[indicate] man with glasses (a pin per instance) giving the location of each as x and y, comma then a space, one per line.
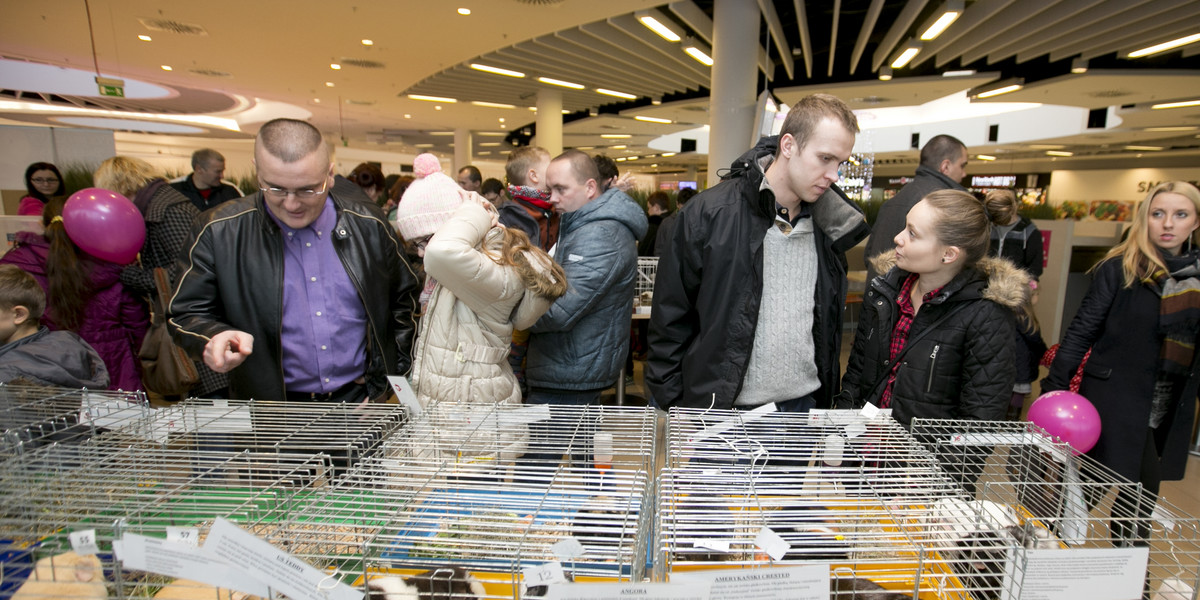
204, 186
297, 292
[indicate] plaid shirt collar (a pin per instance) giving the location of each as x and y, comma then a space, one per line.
900, 331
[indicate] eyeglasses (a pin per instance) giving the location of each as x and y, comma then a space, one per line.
304, 194
44, 180
421, 243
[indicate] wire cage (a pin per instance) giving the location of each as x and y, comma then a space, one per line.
344, 431
751, 489
32, 416
105, 492
647, 270
497, 499
1044, 496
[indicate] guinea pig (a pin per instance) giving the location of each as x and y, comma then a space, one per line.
857, 588
66, 575
442, 583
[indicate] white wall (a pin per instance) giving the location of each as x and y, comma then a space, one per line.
21, 146
1117, 184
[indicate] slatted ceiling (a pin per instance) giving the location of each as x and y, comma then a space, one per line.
1047, 22
833, 33
1172, 27
977, 15
864, 35
663, 52
778, 38
994, 29
1105, 19
805, 35
898, 33
694, 18
575, 46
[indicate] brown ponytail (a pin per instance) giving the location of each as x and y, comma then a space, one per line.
68, 277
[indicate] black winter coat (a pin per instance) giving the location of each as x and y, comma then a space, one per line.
1022, 245
231, 277
962, 368
709, 287
1120, 325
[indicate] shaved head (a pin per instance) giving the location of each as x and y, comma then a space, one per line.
289, 140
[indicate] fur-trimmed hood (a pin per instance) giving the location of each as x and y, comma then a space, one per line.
1007, 285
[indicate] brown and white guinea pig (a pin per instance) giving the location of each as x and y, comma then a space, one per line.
441, 583
857, 588
66, 575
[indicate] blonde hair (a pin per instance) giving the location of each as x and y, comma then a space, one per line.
124, 175
1139, 256
518, 253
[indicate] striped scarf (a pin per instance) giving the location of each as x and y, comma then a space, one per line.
1179, 325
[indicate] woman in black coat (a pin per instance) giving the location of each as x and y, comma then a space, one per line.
953, 359
1142, 375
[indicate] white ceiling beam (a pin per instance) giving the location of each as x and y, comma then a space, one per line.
669, 51
693, 16
974, 16
805, 35
1169, 28
1006, 23
864, 35
897, 33
1112, 20
775, 28
833, 33
1050, 22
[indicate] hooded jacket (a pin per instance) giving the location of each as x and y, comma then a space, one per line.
462, 351
709, 286
963, 368
581, 342
891, 218
53, 358
114, 320
1022, 245
231, 277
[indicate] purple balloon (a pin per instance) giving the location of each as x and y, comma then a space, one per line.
1068, 416
104, 224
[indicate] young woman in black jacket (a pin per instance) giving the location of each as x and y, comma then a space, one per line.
936, 336
1141, 320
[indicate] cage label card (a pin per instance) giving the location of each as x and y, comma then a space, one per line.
568, 549
1092, 573
83, 542
405, 393
870, 411
184, 561
809, 582
283, 572
776, 547
544, 574
621, 591
188, 536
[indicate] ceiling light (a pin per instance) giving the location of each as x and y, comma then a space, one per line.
615, 136
615, 94
910, 52
1059, 153
631, 158
1079, 65
489, 143
328, 84
491, 104
1046, 146
501, 119
653, 120
566, 112
533, 108
485, 153
698, 54
654, 166
368, 42
503, 126
959, 73
584, 147
166, 68
885, 74
1163, 47
659, 26
1176, 104
996, 88
497, 70
984, 157
464, 11
1144, 148
441, 133
620, 159
335, 66
316, 100
432, 98
656, 102
667, 154
437, 107
621, 147
561, 83
1174, 128
422, 145
144, 38
489, 133
947, 15
407, 116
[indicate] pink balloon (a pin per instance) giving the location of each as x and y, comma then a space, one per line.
1068, 416
104, 224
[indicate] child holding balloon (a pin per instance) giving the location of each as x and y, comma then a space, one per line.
1141, 320
84, 293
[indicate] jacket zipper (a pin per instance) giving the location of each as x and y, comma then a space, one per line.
932, 364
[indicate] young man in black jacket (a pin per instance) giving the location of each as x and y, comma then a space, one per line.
748, 300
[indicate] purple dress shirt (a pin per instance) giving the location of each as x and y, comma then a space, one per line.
324, 330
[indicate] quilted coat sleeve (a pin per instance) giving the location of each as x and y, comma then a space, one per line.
988, 363
593, 268
1087, 326
455, 259
851, 394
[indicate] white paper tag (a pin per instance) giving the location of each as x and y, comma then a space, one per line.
870, 411
854, 430
770, 542
283, 572
188, 536
809, 582
405, 394
1093, 573
638, 591
530, 413
83, 542
183, 561
567, 549
712, 544
1164, 518
731, 422
544, 574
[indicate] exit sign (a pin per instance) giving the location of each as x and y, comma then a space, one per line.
111, 87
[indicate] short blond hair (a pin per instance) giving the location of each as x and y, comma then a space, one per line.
124, 175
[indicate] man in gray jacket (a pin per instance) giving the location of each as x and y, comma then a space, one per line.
577, 348
943, 166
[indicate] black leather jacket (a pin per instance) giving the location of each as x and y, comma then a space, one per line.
231, 277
